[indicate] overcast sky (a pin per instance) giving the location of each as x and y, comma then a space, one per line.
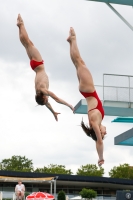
106, 45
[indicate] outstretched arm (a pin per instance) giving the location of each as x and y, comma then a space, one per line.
61, 101
99, 142
48, 105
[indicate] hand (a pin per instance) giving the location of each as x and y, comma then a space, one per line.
72, 108
55, 115
100, 162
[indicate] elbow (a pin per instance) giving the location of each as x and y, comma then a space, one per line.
100, 141
57, 100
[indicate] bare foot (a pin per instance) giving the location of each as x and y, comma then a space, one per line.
72, 35
100, 162
19, 20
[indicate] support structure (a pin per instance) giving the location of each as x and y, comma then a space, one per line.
122, 2
125, 138
55, 188
120, 16
51, 191
0, 195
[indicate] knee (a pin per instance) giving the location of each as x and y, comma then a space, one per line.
25, 41
82, 62
79, 61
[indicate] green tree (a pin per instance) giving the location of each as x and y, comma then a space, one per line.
88, 193
90, 170
122, 171
17, 163
54, 169
26, 194
61, 195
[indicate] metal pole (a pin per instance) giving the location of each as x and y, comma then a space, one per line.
51, 187
0, 195
55, 189
120, 16
117, 75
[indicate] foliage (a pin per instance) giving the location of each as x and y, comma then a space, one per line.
6, 198
61, 195
122, 171
90, 170
27, 193
88, 193
54, 169
17, 163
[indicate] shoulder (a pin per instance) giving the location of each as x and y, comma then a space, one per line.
44, 91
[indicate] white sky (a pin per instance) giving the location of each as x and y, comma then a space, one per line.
106, 45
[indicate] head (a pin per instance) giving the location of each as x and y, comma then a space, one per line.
19, 181
89, 131
41, 99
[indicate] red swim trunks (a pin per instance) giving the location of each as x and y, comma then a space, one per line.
34, 63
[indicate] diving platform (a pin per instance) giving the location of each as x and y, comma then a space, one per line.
111, 108
123, 120
122, 2
125, 138
116, 95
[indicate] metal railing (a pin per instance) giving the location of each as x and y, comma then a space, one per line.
99, 197
116, 88
121, 86
6, 195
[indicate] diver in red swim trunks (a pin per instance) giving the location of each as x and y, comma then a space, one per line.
86, 86
37, 64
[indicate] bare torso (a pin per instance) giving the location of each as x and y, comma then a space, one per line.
41, 79
91, 104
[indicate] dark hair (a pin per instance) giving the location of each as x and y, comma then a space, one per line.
39, 99
89, 131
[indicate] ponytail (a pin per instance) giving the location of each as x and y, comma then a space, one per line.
89, 131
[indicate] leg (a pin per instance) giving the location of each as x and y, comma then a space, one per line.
22, 195
32, 52
17, 195
85, 78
